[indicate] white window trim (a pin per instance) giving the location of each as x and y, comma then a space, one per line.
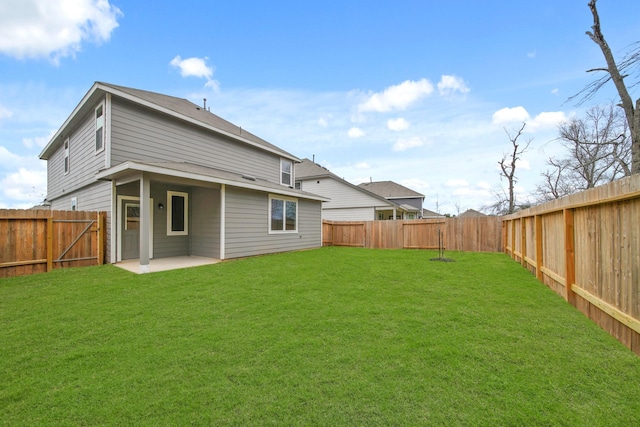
284, 199
170, 213
291, 175
103, 120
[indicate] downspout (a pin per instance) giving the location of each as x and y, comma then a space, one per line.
223, 209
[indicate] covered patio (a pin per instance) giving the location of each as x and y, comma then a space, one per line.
164, 264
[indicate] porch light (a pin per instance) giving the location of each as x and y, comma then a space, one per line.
160, 206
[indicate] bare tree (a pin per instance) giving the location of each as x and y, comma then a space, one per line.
598, 151
508, 166
617, 73
505, 200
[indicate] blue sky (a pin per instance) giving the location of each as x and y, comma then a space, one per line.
417, 92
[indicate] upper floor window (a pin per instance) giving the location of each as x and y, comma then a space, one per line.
66, 156
99, 128
286, 172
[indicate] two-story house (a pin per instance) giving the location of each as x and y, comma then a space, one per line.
176, 180
409, 200
347, 202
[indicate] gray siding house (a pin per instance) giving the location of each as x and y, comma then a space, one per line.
176, 180
410, 201
348, 202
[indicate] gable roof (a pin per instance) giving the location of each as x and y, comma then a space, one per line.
390, 190
179, 108
307, 170
471, 213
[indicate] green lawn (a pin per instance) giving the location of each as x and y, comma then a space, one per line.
334, 336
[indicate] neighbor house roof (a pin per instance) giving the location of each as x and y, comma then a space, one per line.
426, 213
390, 190
471, 213
307, 169
179, 108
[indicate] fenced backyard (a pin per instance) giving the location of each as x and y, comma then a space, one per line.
586, 247
482, 234
37, 241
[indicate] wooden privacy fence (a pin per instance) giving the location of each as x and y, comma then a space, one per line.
586, 247
483, 234
36, 241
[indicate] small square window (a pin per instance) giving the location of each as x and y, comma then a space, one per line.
66, 156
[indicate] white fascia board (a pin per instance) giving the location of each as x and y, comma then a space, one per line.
139, 167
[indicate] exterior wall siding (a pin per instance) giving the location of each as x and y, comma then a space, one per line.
342, 196
415, 202
144, 135
353, 214
205, 228
84, 162
163, 245
247, 225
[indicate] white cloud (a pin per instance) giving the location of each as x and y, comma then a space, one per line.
555, 91
547, 120
355, 132
398, 124
363, 165
39, 141
54, 28
531, 55
415, 184
196, 67
448, 85
454, 183
510, 115
403, 144
24, 188
5, 113
398, 97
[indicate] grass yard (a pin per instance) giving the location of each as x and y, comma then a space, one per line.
334, 336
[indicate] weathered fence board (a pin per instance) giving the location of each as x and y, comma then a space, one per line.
36, 241
587, 249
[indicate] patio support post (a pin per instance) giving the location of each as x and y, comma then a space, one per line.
145, 221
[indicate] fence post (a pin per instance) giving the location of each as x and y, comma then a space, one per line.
570, 255
100, 238
523, 241
49, 243
538, 247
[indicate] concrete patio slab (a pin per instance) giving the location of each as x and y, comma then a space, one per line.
163, 264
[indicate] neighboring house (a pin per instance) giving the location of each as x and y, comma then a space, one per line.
348, 202
471, 213
176, 180
427, 214
408, 200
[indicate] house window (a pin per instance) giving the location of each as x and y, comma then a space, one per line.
99, 128
66, 156
380, 215
286, 172
74, 203
177, 213
283, 214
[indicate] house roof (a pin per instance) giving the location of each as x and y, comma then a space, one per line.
390, 190
426, 213
205, 174
308, 169
471, 213
179, 108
